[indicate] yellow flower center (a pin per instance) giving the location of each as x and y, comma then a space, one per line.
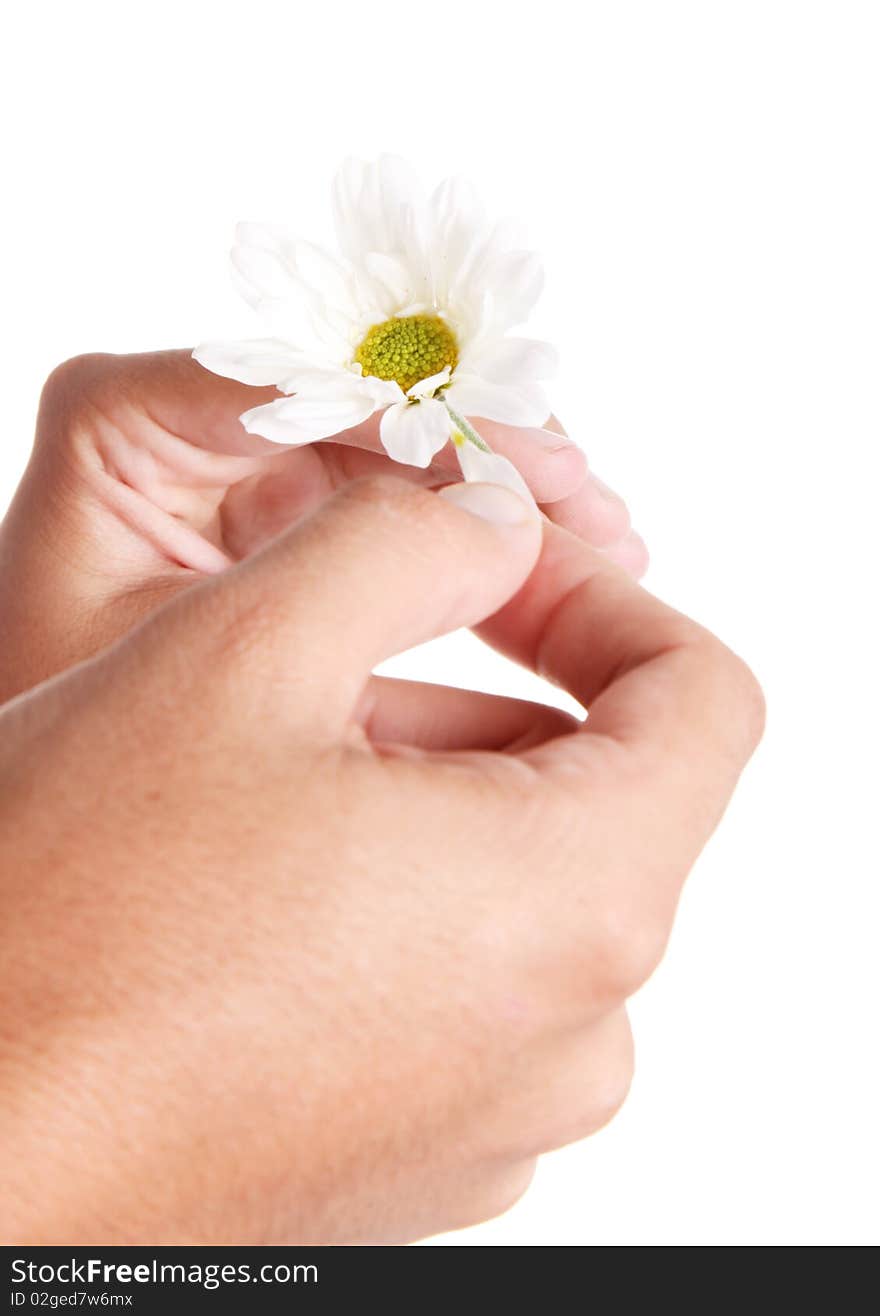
408, 350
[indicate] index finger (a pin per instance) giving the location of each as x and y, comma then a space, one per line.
656, 685
204, 408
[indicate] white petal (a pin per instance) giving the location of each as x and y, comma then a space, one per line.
244, 287
374, 205
306, 418
525, 404
272, 237
480, 467
393, 277
514, 282
292, 319
455, 204
257, 361
384, 392
264, 273
401, 196
290, 283
346, 191
335, 333
511, 360
455, 219
412, 432
324, 276
318, 379
426, 388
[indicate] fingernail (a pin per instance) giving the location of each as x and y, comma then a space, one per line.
490, 502
552, 441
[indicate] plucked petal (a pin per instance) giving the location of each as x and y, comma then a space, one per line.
480, 467
412, 432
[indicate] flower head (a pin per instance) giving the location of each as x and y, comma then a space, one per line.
412, 317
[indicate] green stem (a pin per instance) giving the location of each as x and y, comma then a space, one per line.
466, 430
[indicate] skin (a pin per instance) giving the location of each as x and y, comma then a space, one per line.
142, 481
290, 953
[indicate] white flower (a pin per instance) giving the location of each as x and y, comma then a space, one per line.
413, 317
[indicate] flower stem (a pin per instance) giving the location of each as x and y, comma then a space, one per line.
467, 431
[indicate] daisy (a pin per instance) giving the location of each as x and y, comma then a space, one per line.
411, 318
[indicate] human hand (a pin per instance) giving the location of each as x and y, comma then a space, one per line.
143, 481
294, 954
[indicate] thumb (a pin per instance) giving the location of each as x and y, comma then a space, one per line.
381, 566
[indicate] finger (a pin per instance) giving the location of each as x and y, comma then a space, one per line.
379, 567
568, 1092
650, 678
631, 554
202, 408
593, 512
181, 404
551, 465
177, 394
182, 398
131, 460
633, 797
285, 488
440, 717
295, 482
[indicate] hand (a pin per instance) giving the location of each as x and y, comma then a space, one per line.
294, 954
143, 481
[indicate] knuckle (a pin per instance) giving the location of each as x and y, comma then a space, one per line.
67, 398
737, 692
68, 380
598, 947
616, 1066
625, 948
580, 1090
750, 701
597, 1095
498, 1190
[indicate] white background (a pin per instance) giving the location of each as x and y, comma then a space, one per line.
702, 179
